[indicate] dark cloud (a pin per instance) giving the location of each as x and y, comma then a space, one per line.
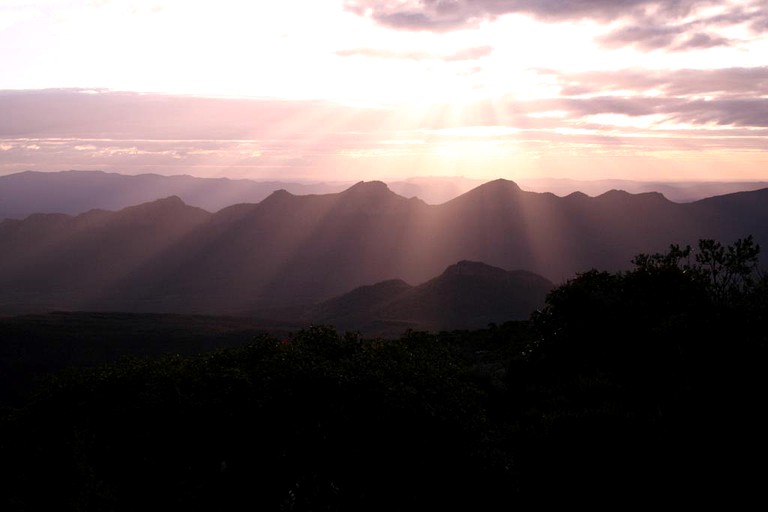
745, 112
603, 10
441, 15
654, 32
647, 24
724, 82
645, 36
411, 20
725, 112
759, 24
702, 40
629, 106
754, 13
740, 112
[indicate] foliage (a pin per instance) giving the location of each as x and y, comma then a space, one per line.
626, 387
673, 350
727, 271
317, 421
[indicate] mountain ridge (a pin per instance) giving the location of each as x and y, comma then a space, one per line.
288, 250
74, 192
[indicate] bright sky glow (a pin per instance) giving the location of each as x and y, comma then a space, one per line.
340, 89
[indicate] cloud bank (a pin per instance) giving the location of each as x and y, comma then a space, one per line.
648, 24
693, 112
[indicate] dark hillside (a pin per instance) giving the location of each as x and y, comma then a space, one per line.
467, 295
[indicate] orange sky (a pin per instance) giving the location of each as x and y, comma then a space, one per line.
340, 90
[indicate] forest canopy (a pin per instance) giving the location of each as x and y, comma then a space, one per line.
638, 385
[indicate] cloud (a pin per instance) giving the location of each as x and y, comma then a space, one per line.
691, 109
441, 15
728, 97
628, 106
724, 82
737, 112
648, 24
653, 32
748, 112
473, 53
702, 40
645, 36
120, 115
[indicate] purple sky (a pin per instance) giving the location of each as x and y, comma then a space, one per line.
340, 90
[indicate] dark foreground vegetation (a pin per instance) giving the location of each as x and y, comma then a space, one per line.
647, 386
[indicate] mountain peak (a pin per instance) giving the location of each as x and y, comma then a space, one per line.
472, 269
171, 200
615, 195
371, 197
501, 184
369, 188
165, 207
492, 190
281, 192
278, 195
165, 202
577, 195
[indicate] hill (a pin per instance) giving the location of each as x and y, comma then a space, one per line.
466, 295
75, 192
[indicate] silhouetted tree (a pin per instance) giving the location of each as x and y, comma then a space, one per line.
675, 347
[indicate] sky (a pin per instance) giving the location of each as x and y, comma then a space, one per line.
324, 90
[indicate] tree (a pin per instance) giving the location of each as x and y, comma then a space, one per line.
670, 354
732, 270
727, 271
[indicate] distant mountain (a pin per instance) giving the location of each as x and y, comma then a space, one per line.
75, 192
466, 295
439, 189
677, 191
297, 250
58, 261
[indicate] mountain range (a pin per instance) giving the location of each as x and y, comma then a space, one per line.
75, 192
301, 250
